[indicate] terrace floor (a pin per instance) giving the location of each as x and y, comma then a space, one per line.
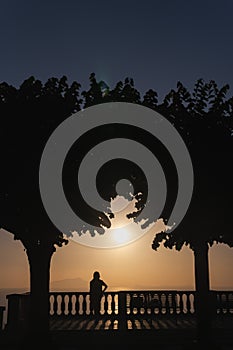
72, 323
70, 333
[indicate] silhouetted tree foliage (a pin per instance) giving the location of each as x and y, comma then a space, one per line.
94, 95
204, 119
123, 92
150, 99
29, 115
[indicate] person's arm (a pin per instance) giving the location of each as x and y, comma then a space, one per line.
105, 286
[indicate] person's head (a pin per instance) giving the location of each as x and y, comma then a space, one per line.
96, 275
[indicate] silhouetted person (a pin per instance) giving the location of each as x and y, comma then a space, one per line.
97, 288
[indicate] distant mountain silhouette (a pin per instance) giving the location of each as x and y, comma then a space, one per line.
80, 285
70, 284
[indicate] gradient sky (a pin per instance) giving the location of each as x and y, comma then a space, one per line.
134, 266
157, 43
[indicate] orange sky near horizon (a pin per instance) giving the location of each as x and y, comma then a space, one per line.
133, 266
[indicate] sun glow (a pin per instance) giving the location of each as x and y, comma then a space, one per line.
121, 235
123, 230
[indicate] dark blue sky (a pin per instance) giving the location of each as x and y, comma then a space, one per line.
157, 43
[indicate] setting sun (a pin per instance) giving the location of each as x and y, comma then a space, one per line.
121, 235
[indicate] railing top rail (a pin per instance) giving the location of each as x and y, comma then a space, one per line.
114, 292
128, 291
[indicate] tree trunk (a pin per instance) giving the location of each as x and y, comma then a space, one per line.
202, 301
39, 257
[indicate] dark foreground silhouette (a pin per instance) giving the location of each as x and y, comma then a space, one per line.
70, 341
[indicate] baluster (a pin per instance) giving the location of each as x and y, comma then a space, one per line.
139, 303
63, 305
173, 302
227, 303
178, 297
85, 304
51, 303
143, 307
167, 304
105, 296
163, 302
160, 306
230, 303
133, 297
73, 301
79, 304
222, 302
113, 305
146, 301
181, 304
192, 301
188, 303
